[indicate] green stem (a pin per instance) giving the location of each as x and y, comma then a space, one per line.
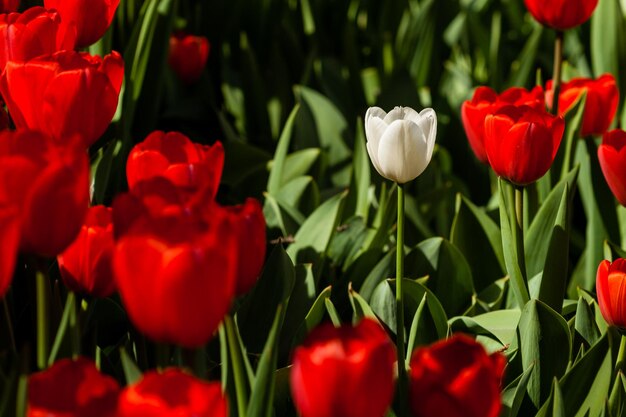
42, 319
238, 372
621, 355
402, 377
7, 315
519, 228
556, 77
74, 327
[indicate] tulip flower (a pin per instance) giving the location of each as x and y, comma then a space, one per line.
456, 378
561, 14
612, 158
188, 56
175, 269
9, 6
249, 224
86, 265
486, 101
48, 185
610, 286
35, 32
400, 143
521, 142
172, 393
344, 372
9, 241
91, 18
66, 94
72, 388
195, 168
600, 105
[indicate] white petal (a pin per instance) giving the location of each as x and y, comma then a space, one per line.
402, 152
375, 112
396, 114
373, 153
428, 123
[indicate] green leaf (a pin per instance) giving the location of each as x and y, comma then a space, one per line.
298, 163
607, 40
361, 174
545, 342
360, 307
617, 399
500, 324
131, 372
526, 58
313, 238
313, 317
278, 163
478, 238
585, 322
256, 315
513, 395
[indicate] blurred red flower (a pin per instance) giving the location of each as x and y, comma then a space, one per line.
91, 18
612, 158
64, 94
600, 105
194, 168
486, 101
35, 32
86, 265
611, 289
175, 270
9, 6
521, 142
344, 372
48, 185
72, 388
188, 56
455, 378
561, 14
172, 393
249, 225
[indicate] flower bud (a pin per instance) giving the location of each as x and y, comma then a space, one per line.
611, 289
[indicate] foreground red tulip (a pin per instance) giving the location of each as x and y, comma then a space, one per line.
249, 225
612, 157
175, 270
48, 185
91, 18
172, 393
72, 388
486, 101
86, 265
195, 168
561, 14
344, 372
600, 105
521, 142
66, 94
9, 241
9, 6
456, 378
611, 289
188, 56
35, 32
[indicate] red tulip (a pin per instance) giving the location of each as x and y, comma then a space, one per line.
521, 142
561, 14
344, 372
72, 388
175, 270
172, 393
455, 378
188, 56
9, 6
86, 265
249, 225
48, 185
612, 157
611, 288
91, 18
486, 101
35, 32
9, 242
600, 106
195, 168
65, 94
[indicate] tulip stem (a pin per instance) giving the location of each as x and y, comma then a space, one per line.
74, 328
42, 318
402, 377
621, 355
7, 315
519, 228
235, 359
556, 77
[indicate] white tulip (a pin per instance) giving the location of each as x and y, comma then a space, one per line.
400, 143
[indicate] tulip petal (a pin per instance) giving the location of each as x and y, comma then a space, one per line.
402, 152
